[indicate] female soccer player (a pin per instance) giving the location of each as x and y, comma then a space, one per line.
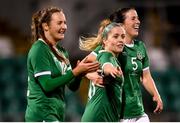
104, 103
135, 67
49, 69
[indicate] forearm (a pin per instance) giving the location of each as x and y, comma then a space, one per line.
49, 84
150, 86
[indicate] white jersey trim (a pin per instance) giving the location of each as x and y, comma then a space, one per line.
130, 45
43, 73
42, 40
94, 53
146, 68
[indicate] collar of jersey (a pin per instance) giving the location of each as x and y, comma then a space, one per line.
130, 45
40, 39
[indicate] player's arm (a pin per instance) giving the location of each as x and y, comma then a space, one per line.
107, 66
49, 84
94, 76
150, 86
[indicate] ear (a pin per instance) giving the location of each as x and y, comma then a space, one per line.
104, 41
45, 26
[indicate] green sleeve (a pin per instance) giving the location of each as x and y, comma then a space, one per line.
40, 59
105, 57
49, 84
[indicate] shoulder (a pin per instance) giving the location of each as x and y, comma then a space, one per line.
38, 47
97, 49
140, 43
104, 54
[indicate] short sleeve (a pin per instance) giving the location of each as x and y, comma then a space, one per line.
145, 60
105, 58
40, 61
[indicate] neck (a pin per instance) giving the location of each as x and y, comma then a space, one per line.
128, 40
50, 40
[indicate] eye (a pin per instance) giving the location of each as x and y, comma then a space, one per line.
133, 18
115, 36
123, 36
61, 22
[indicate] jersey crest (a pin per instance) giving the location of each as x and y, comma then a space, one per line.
139, 55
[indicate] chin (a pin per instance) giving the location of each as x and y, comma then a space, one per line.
118, 51
61, 38
136, 34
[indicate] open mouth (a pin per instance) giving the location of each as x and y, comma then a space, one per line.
62, 32
120, 45
136, 27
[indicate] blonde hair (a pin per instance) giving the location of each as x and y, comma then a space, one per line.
90, 43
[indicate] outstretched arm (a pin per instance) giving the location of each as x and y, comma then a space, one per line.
150, 86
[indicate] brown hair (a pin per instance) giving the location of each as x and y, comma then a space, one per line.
119, 15
44, 16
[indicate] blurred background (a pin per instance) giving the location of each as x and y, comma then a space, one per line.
160, 30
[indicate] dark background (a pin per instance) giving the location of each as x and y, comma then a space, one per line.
160, 29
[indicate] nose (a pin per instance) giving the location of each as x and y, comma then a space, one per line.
121, 41
138, 21
64, 26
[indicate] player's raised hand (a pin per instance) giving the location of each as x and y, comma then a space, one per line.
85, 66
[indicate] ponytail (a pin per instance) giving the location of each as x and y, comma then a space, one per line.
90, 43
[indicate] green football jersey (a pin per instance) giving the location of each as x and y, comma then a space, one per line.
134, 60
104, 103
43, 106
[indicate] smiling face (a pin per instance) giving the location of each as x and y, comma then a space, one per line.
115, 40
131, 23
55, 30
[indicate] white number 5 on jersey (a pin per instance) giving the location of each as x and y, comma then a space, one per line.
133, 61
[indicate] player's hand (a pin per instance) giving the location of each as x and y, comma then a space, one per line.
113, 71
84, 67
96, 78
159, 104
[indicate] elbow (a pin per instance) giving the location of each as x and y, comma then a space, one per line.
47, 89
